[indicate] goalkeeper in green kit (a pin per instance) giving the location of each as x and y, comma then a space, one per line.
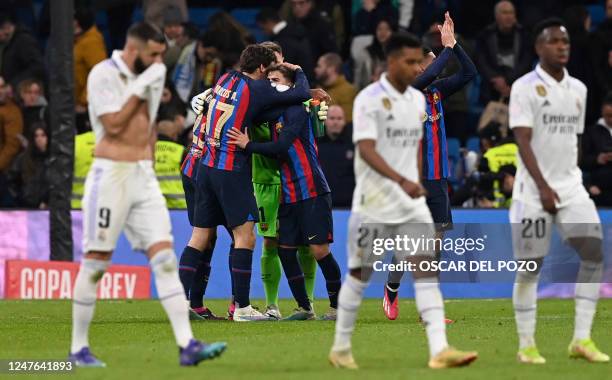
266, 183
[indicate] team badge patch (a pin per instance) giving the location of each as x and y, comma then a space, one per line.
263, 226
436, 98
541, 90
278, 126
386, 103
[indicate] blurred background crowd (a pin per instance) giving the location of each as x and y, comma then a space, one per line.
340, 46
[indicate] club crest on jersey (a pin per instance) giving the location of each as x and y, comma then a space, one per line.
386, 103
541, 90
278, 126
436, 98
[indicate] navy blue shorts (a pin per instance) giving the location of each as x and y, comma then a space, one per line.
189, 188
306, 222
438, 203
225, 198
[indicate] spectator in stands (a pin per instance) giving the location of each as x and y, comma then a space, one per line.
231, 38
371, 11
33, 104
328, 73
498, 163
198, 67
169, 156
28, 172
370, 64
580, 65
177, 37
602, 52
597, 156
292, 38
84, 146
11, 127
20, 56
330, 10
155, 10
89, 49
170, 98
503, 53
336, 152
320, 31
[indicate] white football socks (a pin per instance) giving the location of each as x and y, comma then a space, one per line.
587, 295
349, 300
524, 300
171, 295
84, 300
430, 306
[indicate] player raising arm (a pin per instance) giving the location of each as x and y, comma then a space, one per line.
547, 112
122, 192
388, 199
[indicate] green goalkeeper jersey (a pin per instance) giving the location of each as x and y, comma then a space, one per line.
265, 169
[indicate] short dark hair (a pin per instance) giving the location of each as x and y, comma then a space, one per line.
254, 56
85, 17
545, 24
287, 72
272, 46
7, 17
267, 14
146, 31
208, 39
607, 100
401, 40
334, 60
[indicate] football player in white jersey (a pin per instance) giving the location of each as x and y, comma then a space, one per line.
547, 112
389, 201
122, 192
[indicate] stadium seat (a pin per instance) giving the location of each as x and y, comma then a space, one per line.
598, 14
246, 16
473, 144
137, 15
200, 16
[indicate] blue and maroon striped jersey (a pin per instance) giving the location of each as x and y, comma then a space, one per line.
237, 100
294, 144
189, 166
433, 145
434, 154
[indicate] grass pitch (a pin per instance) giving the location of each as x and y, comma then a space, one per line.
135, 340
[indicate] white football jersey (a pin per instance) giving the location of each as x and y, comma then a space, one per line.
395, 121
555, 111
107, 91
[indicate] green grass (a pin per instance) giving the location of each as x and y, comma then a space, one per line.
136, 342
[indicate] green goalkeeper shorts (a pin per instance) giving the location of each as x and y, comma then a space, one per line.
268, 198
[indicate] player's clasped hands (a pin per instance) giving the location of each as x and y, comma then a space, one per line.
413, 189
238, 137
447, 32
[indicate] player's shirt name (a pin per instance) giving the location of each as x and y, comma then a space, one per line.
225, 93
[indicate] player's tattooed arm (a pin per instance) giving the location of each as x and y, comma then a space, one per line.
367, 151
547, 195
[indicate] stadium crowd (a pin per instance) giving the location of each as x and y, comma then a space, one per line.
340, 46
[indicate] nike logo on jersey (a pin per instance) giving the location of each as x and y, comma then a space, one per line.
546, 103
312, 237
